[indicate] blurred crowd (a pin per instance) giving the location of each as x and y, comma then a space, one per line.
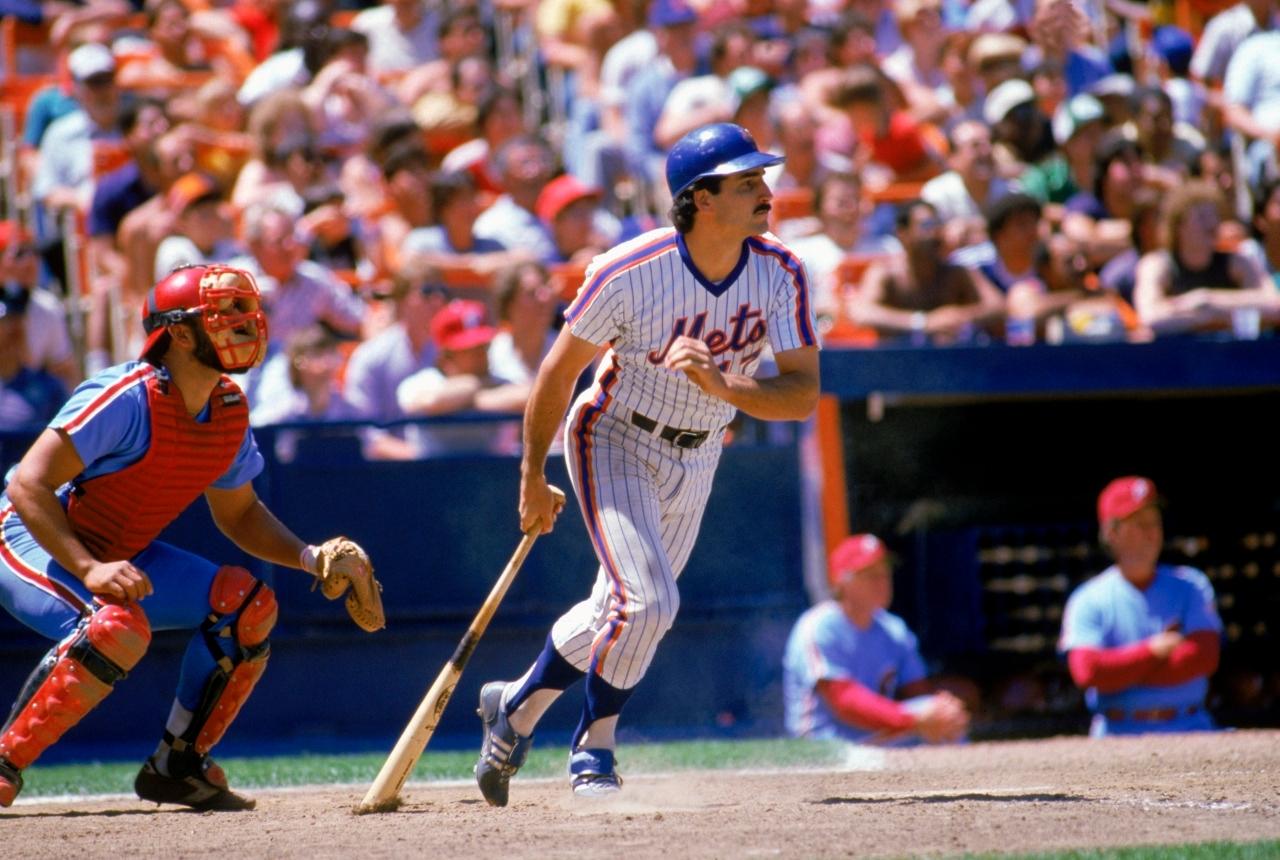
420, 185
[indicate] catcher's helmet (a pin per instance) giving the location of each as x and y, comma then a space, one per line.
227, 302
713, 150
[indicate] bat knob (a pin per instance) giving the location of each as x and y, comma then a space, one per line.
558, 494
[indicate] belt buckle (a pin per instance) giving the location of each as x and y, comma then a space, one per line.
688, 438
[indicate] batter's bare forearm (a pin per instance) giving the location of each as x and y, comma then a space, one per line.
786, 397
549, 399
546, 408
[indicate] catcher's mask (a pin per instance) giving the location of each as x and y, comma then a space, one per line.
224, 299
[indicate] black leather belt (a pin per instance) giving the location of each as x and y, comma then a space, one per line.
674, 435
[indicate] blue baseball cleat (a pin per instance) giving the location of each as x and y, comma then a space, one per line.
595, 773
502, 751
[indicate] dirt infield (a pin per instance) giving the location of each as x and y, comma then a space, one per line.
1018, 796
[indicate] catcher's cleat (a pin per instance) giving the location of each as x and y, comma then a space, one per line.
10, 783
595, 773
197, 782
502, 751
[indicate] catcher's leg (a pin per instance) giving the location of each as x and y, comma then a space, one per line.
221, 667
68, 683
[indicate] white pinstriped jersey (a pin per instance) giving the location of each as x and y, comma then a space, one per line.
641, 295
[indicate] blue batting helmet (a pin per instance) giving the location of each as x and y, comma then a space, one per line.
713, 150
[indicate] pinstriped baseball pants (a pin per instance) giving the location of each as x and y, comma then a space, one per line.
642, 499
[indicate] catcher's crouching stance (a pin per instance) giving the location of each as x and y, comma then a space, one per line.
79, 563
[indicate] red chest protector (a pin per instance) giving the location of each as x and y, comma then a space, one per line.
116, 516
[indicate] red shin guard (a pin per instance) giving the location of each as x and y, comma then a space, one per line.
102, 651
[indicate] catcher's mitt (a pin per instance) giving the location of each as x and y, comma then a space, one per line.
341, 563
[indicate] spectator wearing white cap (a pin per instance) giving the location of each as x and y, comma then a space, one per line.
1077, 128
65, 176
1017, 124
994, 58
1116, 93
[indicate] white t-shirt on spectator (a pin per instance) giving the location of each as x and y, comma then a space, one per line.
947, 193
1222, 35
1253, 79
392, 49
822, 257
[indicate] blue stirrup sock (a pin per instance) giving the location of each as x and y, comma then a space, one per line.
602, 700
550, 672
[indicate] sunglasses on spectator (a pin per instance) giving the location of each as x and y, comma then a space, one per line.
17, 252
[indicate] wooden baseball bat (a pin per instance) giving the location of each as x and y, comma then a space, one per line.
384, 794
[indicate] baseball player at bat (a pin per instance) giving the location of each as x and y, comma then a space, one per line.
79, 562
853, 669
1141, 638
686, 315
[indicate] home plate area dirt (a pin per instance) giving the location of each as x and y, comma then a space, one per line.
984, 797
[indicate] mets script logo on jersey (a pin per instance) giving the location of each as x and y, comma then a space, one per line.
746, 330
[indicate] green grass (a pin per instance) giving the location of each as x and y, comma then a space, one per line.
1264, 850
314, 769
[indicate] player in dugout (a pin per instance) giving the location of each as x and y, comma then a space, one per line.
853, 670
79, 560
1141, 638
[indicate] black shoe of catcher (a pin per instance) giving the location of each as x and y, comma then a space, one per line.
502, 751
197, 782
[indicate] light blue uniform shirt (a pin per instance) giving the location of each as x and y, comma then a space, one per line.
1107, 611
825, 645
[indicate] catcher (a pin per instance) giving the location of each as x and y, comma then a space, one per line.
79, 562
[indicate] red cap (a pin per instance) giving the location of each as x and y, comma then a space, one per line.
855, 553
1124, 497
462, 324
12, 232
559, 193
191, 188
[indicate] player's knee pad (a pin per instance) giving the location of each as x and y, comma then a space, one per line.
235, 590
73, 678
245, 609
